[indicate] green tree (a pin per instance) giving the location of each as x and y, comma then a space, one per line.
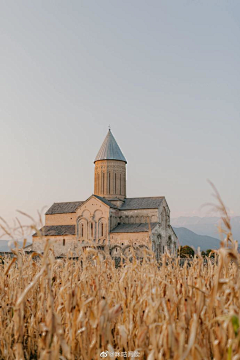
186, 251
208, 252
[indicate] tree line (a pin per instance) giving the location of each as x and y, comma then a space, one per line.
188, 252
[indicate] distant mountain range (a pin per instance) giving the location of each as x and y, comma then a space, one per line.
188, 237
206, 225
4, 245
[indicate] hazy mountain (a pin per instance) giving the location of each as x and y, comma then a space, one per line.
188, 237
4, 245
206, 225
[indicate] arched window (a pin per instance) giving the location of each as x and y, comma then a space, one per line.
109, 182
81, 231
63, 242
115, 183
91, 230
103, 190
153, 218
159, 246
98, 184
169, 242
102, 228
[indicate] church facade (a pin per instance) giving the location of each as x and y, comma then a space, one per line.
108, 219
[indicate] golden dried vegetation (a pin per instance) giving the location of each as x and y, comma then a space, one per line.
76, 308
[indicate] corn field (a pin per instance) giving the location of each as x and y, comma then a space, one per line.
86, 308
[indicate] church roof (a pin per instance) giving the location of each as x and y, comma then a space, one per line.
133, 228
142, 203
64, 207
57, 230
105, 201
129, 204
110, 149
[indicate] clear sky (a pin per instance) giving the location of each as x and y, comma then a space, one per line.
164, 74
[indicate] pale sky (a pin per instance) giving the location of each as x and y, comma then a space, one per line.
164, 74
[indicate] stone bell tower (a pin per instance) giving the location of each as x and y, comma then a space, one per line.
110, 170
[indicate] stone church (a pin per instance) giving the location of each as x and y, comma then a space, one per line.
108, 219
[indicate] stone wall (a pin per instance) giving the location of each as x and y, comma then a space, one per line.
60, 244
116, 251
140, 238
60, 219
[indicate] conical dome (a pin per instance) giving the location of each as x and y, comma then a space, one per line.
110, 150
